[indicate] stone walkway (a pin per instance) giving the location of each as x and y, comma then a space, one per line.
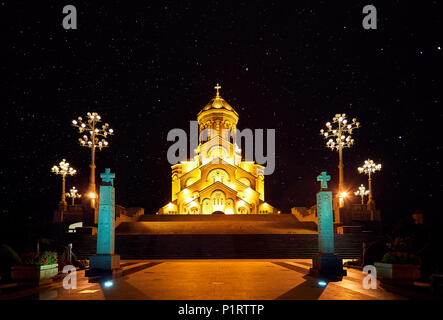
266, 279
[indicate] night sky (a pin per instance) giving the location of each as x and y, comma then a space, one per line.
151, 67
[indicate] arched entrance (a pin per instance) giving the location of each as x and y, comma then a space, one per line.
218, 200
242, 207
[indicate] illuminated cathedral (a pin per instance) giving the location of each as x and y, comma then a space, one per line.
217, 179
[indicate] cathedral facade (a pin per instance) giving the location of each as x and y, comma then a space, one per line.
217, 179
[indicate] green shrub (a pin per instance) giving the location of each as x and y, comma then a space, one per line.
45, 258
397, 257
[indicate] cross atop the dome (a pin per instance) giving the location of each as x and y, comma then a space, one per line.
324, 178
217, 87
107, 176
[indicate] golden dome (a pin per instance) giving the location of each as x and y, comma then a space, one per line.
218, 103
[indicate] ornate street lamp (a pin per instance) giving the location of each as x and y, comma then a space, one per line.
73, 193
369, 167
362, 192
339, 137
95, 137
63, 169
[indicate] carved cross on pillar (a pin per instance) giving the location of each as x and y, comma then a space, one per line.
108, 177
324, 178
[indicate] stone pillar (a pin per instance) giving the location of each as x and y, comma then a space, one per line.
326, 264
325, 222
105, 262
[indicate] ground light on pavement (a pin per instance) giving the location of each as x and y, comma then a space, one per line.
267, 279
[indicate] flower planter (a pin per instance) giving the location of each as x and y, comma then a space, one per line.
396, 271
34, 273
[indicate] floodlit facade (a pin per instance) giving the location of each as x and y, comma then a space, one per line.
217, 179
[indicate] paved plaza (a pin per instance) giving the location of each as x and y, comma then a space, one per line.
268, 279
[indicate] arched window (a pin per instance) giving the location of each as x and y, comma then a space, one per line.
217, 151
218, 175
245, 181
218, 200
190, 181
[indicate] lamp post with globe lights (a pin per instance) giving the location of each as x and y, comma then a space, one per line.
94, 137
339, 135
63, 169
369, 167
362, 192
73, 193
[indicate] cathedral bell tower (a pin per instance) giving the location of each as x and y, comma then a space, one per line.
218, 123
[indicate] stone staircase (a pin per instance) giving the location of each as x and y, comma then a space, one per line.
220, 246
216, 224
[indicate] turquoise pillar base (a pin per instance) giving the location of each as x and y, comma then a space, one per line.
327, 266
104, 266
